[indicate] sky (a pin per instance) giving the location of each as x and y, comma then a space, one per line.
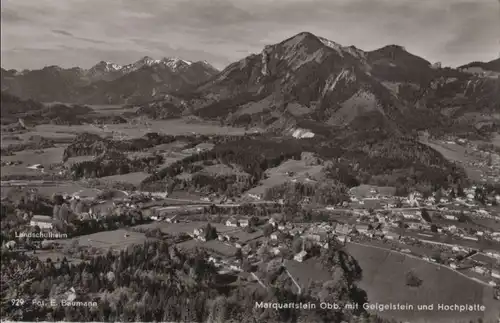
68, 33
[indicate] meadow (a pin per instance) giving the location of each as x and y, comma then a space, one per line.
459, 154
384, 280
130, 178
496, 140
128, 130
44, 156
117, 239
298, 169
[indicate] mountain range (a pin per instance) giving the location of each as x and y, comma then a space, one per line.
306, 83
107, 83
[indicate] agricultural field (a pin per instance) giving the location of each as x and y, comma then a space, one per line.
218, 247
363, 191
496, 140
8, 140
19, 170
384, 280
48, 189
307, 272
128, 130
44, 156
214, 246
493, 224
117, 239
25, 137
111, 109
290, 170
130, 178
459, 154
471, 158
77, 159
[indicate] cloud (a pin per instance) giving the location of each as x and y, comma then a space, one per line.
222, 31
62, 32
66, 33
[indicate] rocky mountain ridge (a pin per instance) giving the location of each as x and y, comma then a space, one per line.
106, 82
309, 79
305, 83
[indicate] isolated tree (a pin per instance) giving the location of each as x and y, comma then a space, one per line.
437, 257
462, 217
297, 245
58, 199
425, 215
239, 254
210, 232
438, 196
412, 279
267, 230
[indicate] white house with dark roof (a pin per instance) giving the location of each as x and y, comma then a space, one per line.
42, 221
301, 256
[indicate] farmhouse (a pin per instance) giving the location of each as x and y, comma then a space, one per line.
200, 234
42, 221
409, 216
301, 256
233, 222
361, 228
243, 223
392, 236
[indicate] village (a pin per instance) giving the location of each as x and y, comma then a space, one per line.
458, 232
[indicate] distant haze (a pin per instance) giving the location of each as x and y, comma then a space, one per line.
71, 33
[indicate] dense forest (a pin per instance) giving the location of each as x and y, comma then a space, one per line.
88, 144
325, 193
362, 159
114, 163
157, 282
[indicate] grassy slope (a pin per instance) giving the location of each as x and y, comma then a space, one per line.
384, 281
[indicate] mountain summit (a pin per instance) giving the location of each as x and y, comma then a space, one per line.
307, 78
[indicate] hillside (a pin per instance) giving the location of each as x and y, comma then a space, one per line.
493, 65
385, 288
26, 113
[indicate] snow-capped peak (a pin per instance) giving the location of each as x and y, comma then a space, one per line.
332, 45
146, 60
175, 63
172, 63
107, 66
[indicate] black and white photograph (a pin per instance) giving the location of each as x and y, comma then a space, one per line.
263, 161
